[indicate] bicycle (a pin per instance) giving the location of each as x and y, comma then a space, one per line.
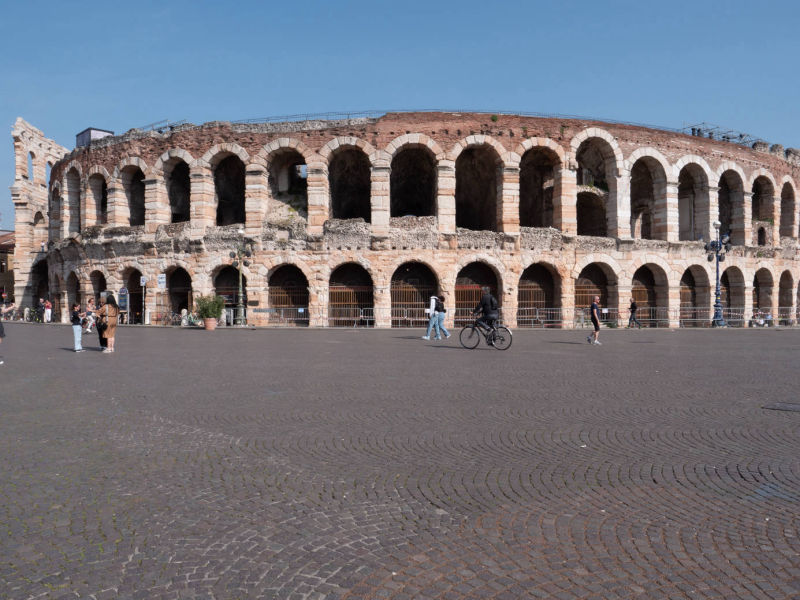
498, 336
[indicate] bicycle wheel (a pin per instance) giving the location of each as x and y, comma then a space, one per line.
502, 338
469, 337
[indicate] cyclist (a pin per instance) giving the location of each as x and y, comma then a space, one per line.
487, 308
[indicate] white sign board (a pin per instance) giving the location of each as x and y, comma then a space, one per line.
162, 281
142, 280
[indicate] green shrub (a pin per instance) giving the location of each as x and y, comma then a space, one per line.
209, 307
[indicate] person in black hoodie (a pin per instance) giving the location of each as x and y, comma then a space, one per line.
487, 308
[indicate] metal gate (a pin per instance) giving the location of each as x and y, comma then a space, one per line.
350, 306
288, 305
409, 301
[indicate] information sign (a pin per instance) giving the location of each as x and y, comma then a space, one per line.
162, 281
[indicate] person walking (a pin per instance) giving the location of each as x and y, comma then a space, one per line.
433, 322
110, 315
440, 313
594, 312
77, 328
100, 326
632, 319
40, 311
4, 310
48, 311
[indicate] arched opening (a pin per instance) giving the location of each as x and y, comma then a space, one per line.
731, 206
350, 297
48, 167
479, 181
693, 202
179, 286
98, 190
98, 285
650, 294
591, 213
763, 193
229, 185
412, 183
695, 298
469, 282
762, 298
133, 184
787, 211
39, 232
74, 201
40, 283
30, 173
539, 298
288, 296
785, 298
176, 173
732, 296
73, 290
135, 306
537, 171
226, 284
648, 200
349, 181
412, 286
596, 279
288, 180
762, 236
55, 216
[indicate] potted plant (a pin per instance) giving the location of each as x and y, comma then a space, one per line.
209, 308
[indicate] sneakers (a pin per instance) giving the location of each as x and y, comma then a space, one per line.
1, 361
80, 350
437, 338
426, 337
597, 343
446, 335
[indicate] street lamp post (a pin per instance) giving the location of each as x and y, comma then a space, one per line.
240, 255
716, 250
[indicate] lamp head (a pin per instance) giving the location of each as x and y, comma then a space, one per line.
717, 224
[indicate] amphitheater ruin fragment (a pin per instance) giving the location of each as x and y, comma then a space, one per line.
356, 221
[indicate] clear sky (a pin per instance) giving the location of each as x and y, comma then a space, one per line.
66, 66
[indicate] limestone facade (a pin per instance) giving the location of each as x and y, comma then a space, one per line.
545, 211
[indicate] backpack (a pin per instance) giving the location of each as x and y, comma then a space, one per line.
493, 302
440, 306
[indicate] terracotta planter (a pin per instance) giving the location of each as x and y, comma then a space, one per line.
210, 324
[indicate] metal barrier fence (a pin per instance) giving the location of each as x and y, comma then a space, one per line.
539, 318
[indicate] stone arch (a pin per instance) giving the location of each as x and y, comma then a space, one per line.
225, 282
763, 284
476, 140
288, 295
597, 278
694, 200
286, 162
170, 155
611, 144
650, 290
695, 297
689, 159
131, 172
130, 161
537, 176
229, 187
413, 181
788, 224
540, 142
179, 288
349, 180
479, 186
648, 194
731, 202
39, 228
414, 140
285, 143
470, 279
653, 156
732, 293
786, 298
763, 187
73, 289
220, 152
97, 180
411, 286
130, 278
539, 296
350, 296
344, 142
72, 185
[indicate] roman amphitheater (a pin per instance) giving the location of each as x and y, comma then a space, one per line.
354, 222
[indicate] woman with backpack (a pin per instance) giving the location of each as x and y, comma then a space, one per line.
440, 313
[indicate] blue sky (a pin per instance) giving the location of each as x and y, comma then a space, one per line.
65, 66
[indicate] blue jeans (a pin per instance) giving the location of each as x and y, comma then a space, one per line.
433, 322
76, 334
440, 324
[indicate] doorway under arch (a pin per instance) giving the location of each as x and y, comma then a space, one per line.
413, 284
226, 284
179, 285
350, 297
538, 298
469, 282
288, 296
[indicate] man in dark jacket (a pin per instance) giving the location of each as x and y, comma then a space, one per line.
487, 308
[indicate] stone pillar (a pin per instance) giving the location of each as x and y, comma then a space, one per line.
382, 301
318, 199
748, 299
565, 200
203, 198
618, 209
670, 213
256, 199
88, 207
775, 238
63, 307
706, 228
568, 301
510, 301
742, 218
156, 205
318, 304
118, 211
151, 292
380, 199
508, 201
446, 196
674, 303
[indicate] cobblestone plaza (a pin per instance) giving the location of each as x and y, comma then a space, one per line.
328, 464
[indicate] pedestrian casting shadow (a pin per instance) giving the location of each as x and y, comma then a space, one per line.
571, 343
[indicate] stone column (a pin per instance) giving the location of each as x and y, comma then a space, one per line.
203, 199
775, 238
742, 218
256, 199
748, 299
156, 205
565, 200
318, 304
118, 212
446, 196
151, 292
382, 301
618, 209
88, 206
670, 213
508, 201
706, 228
624, 295
318, 198
568, 301
380, 198
674, 300
510, 301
